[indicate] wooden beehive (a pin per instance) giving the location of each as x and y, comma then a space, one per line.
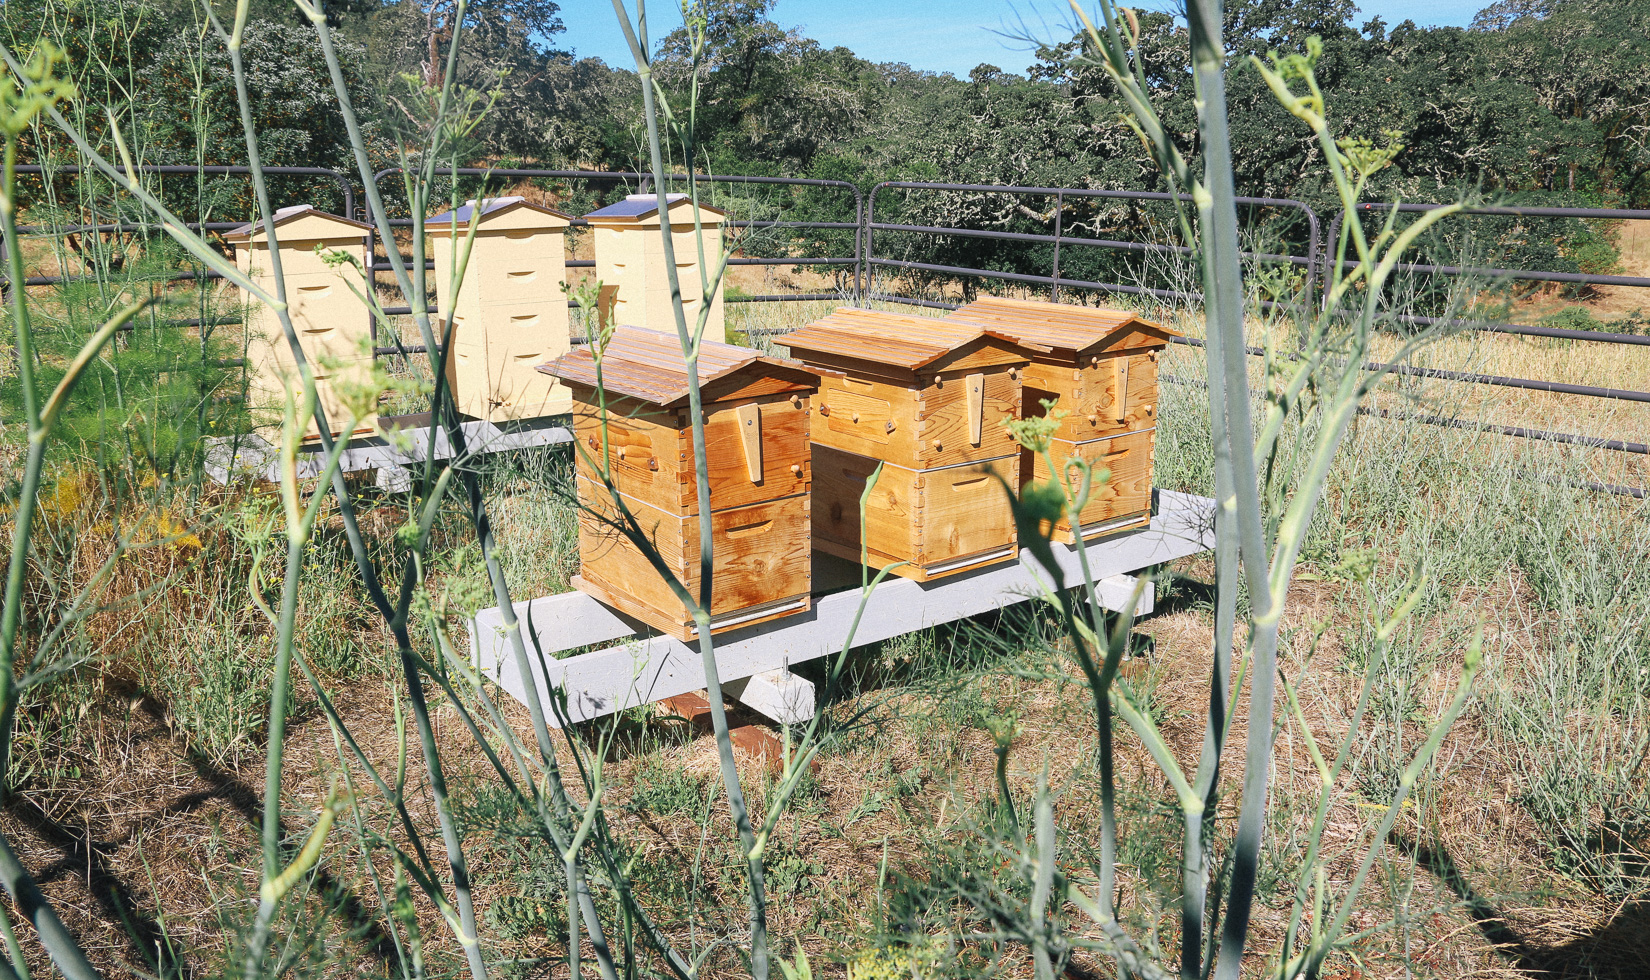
1099, 366
630, 255
926, 398
756, 437
324, 302
510, 314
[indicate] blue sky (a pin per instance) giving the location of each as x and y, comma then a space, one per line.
936, 35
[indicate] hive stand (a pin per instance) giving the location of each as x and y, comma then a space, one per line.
630, 256
756, 411
926, 399
510, 313
409, 441
642, 667
1100, 367
325, 306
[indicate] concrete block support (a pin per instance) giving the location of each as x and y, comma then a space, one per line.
776, 694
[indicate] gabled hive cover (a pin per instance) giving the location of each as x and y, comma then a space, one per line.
894, 340
1069, 332
643, 209
648, 366
301, 222
506, 213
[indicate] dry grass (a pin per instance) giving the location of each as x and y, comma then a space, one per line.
149, 843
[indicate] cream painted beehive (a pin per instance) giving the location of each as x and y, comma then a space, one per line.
510, 314
325, 305
630, 254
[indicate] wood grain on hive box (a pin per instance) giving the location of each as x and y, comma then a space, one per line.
651, 455
757, 456
1099, 367
1121, 487
759, 558
929, 399
941, 521
1082, 358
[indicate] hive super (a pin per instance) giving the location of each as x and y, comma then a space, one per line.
907, 415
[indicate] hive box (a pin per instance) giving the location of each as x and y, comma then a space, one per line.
510, 313
326, 309
926, 398
630, 255
756, 437
1100, 366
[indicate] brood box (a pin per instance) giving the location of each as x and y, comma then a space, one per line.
1099, 366
926, 398
510, 314
756, 439
630, 256
324, 302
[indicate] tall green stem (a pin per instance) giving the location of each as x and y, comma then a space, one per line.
636, 37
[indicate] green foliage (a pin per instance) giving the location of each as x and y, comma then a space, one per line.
175, 102
155, 392
1573, 318
665, 789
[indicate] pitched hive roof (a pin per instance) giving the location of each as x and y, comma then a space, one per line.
496, 207
909, 342
309, 216
1066, 330
648, 365
637, 207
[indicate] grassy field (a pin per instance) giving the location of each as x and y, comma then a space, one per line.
1525, 849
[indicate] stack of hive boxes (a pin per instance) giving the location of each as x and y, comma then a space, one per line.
925, 399
1100, 367
324, 303
510, 314
630, 260
756, 439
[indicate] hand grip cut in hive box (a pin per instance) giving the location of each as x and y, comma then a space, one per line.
757, 415
925, 398
324, 306
509, 314
1100, 367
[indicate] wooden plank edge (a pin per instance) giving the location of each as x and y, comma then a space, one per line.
638, 672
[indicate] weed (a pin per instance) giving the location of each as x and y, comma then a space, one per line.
665, 789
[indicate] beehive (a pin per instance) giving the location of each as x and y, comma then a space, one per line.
1100, 366
510, 314
927, 398
325, 305
630, 255
756, 438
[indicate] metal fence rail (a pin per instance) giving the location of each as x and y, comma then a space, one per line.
1059, 238
864, 263
37, 170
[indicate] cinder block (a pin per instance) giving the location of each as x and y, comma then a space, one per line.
776, 694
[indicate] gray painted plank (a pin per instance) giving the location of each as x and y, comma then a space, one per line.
644, 670
251, 455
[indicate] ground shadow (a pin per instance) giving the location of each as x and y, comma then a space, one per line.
1615, 950
89, 859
